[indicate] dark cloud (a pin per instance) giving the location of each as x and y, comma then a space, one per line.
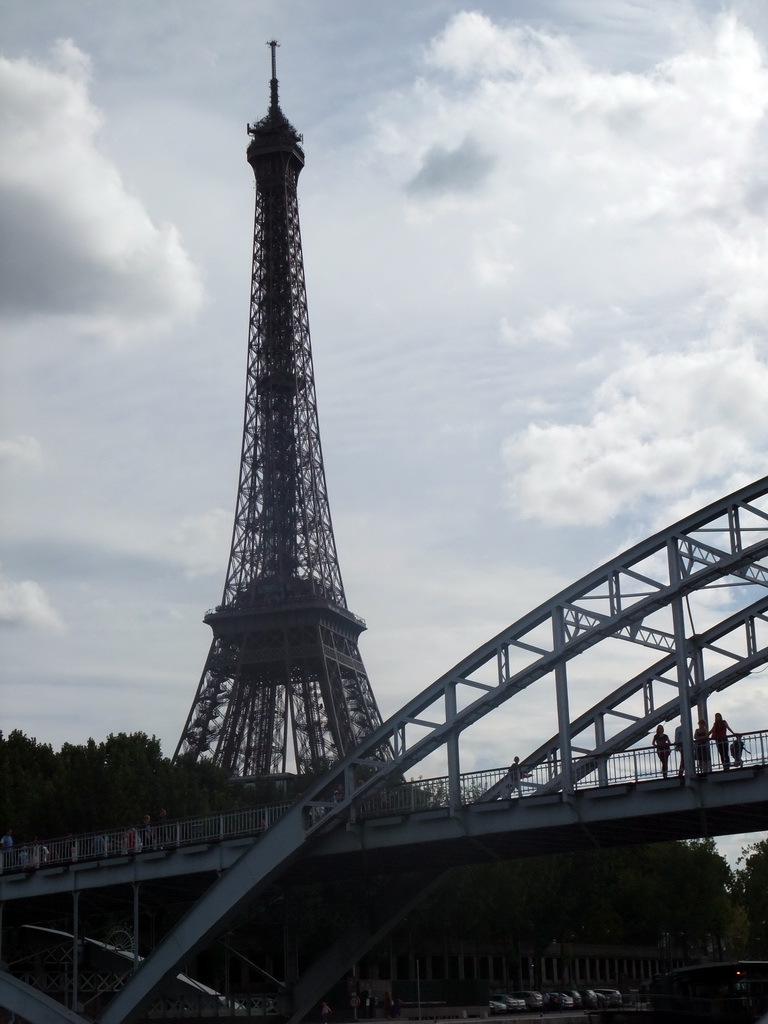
44, 267
76, 242
47, 266
92, 562
463, 170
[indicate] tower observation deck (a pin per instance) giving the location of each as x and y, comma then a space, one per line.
284, 687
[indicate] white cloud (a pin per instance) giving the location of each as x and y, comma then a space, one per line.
595, 184
551, 327
77, 243
472, 46
621, 220
26, 604
661, 425
22, 450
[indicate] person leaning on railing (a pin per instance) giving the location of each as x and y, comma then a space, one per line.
719, 733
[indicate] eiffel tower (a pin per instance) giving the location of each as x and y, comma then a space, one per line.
284, 687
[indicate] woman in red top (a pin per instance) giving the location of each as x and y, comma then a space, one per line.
719, 733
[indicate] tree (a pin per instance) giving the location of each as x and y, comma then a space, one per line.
102, 785
620, 896
27, 770
751, 888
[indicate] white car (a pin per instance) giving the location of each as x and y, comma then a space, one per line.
512, 1004
532, 1000
612, 996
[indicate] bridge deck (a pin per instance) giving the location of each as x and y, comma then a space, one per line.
612, 780
436, 838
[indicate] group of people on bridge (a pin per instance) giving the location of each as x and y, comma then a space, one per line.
148, 835
730, 748
702, 735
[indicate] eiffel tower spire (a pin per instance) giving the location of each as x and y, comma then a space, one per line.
284, 687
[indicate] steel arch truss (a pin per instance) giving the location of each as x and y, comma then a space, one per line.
737, 646
641, 597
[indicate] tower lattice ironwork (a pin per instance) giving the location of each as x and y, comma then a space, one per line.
284, 686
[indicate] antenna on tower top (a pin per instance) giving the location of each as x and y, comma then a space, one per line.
273, 44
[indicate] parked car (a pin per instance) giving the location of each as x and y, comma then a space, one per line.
513, 1004
578, 1002
532, 1000
612, 996
589, 999
557, 1001
496, 1006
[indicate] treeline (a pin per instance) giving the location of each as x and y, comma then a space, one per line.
81, 788
679, 896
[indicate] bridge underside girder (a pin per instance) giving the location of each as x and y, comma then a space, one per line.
724, 803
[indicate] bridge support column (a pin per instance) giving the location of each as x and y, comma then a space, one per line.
136, 887
698, 677
75, 950
688, 661
452, 748
602, 767
563, 710
684, 685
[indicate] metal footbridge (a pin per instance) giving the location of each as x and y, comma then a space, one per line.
682, 616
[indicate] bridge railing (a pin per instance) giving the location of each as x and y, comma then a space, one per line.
640, 764
643, 763
158, 835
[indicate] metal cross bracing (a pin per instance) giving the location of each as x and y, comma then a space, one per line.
284, 686
736, 646
44, 960
642, 597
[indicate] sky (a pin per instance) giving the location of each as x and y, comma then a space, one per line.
536, 251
